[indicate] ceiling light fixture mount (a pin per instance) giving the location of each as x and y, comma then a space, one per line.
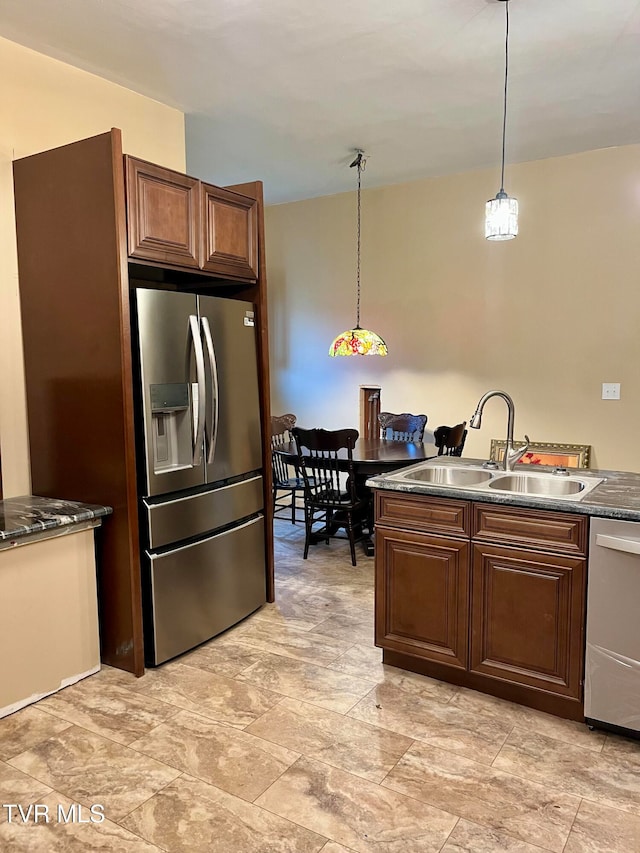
358, 341
501, 212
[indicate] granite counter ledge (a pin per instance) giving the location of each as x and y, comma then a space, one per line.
28, 518
617, 497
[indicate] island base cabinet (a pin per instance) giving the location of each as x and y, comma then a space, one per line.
484, 596
422, 594
527, 618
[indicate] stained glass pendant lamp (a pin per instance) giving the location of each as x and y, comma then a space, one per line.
358, 341
501, 212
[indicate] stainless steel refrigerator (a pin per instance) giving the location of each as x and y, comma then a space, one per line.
200, 460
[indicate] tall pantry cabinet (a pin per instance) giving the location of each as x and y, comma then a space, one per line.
91, 224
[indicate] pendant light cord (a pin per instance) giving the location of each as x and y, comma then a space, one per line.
360, 162
358, 262
506, 77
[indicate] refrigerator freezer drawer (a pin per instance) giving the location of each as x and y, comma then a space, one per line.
186, 517
200, 590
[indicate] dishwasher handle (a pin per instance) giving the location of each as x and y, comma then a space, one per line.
618, 543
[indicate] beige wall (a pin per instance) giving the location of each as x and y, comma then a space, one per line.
45, 103
546, 317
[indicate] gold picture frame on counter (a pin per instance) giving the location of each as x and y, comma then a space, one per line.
544, 453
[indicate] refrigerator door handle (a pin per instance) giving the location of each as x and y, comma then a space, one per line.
202, 391
214, 385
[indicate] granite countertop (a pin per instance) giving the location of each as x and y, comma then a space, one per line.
618, 496
23, 516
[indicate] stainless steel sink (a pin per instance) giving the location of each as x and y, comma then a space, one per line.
528, 484
474, 478
448, 476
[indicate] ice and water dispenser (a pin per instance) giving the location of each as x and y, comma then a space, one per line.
172, 426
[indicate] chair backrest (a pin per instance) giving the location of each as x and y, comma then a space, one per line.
321, 463
403, 427
450, 439
281, 426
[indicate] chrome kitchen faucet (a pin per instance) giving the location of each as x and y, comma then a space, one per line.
511, 455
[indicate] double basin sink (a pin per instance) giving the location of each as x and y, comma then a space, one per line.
551, 484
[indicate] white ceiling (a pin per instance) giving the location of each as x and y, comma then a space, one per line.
284, 90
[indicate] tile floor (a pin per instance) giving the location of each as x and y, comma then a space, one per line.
287, 735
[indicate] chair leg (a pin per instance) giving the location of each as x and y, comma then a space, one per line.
352, 544
308, 521
293, 506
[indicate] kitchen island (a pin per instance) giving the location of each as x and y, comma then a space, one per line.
48, 602
485, 587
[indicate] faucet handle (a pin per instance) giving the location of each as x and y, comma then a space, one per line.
517, 455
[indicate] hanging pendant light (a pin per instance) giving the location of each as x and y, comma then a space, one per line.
501, 212
358, 341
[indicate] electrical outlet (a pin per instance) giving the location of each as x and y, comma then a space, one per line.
610, 390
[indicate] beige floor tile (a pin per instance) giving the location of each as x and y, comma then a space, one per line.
292, 611
335, 691
58, 836
598, 829
26, 728
356, 813
361, 659
569, 731
425, 718
342, 742
107, 709
470, 838
226, 700
484, 795
348, 628
365, 661
292, 642
190, 816
18, 788
222, 656
332, 847
622, 747
608, 781
90, 769
235, 761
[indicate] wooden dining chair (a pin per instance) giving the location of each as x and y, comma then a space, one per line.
285, 479
328, 499
403, 427
450, 439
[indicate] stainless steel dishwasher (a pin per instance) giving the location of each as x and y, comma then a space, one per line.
612, 668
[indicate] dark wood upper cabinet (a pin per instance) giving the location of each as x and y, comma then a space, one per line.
181, 221
163, 214
230, 233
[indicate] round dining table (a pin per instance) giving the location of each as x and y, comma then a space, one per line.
373, 456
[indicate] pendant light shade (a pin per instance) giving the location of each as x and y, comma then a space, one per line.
501, 217
358, 341
501, 212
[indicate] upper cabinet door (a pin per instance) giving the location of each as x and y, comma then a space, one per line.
163, 214
230, 233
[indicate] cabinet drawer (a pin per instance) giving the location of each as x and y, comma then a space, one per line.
549, 531
419, 512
